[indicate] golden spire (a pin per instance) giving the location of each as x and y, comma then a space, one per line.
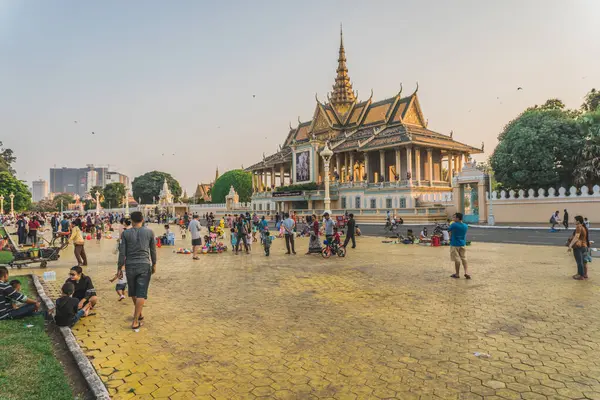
217, 174
342, 89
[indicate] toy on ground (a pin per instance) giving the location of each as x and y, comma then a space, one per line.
213, 245
184, 251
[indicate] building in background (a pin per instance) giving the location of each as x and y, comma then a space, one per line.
203, 190
39, 190
80, 180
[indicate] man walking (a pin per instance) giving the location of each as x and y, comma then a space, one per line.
351, 230
195, 228
288, 227
566, 219
138, 251
8, 294
458, 243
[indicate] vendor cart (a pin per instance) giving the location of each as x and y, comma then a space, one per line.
13, 256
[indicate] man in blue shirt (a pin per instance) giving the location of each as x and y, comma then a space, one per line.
458, 242
328, 224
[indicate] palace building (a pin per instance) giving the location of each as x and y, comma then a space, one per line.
384, 156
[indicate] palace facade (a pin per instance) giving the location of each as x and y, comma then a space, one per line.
384, 156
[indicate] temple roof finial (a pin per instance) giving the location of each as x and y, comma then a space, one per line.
342, 93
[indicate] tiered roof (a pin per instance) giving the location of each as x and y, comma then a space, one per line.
352, 125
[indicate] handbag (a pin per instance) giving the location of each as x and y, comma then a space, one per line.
587, 257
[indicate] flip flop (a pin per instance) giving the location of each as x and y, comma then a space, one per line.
454, 276
467, 276
140, 324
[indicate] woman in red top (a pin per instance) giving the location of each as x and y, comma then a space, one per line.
34, 225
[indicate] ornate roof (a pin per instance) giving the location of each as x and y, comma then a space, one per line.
353, 125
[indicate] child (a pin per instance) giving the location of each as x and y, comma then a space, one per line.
336, 236
267, 242
66, 307
249, 241
254, 231
233, 239
121, 284
357, 231
98, 234
16, 284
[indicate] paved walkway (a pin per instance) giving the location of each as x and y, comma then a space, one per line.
384, 322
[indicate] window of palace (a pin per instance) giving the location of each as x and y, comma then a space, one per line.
388, 203
254, 206
402, 202
260, 207
357, 202
373, 203
268, 206
344, 203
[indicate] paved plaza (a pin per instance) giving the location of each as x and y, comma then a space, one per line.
384, 322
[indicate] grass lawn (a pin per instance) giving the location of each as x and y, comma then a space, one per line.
28, 368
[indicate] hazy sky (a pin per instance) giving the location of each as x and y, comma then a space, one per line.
154, 77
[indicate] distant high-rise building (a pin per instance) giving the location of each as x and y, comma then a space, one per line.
39, 190
80, 180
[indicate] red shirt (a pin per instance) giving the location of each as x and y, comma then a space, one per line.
33, 225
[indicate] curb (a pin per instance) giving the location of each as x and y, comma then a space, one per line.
536, 228
86, 368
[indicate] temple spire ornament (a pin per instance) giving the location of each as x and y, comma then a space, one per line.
342, 94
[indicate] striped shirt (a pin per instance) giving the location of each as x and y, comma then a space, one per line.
7, 295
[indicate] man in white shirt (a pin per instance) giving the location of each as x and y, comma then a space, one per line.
195, 228
288, 227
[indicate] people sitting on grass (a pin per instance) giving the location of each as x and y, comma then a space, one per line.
67, 310
8, 294
84, 292
16, 284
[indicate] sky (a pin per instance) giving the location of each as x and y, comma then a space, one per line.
187, 86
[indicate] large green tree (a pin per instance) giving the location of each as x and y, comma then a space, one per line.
538, 148
591, 101
7, 159
587, 170
239, 179
149, 185
113, 195
9, 184
66, 200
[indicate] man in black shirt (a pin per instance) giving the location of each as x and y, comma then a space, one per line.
84, 290
351, 226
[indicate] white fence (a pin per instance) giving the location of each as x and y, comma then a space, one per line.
549, 194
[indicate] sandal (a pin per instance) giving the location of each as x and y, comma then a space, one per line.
579, 278
140, 324
455, 276
467, 276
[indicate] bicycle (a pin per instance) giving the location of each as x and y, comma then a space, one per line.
333, 248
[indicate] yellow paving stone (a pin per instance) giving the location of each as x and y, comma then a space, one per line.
163, 392
382, 316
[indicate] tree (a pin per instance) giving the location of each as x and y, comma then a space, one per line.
150, 184
66, 199
7, 159
45, 205
113, 195
587, 170
9, 184
241, 181
537, 149
592, 101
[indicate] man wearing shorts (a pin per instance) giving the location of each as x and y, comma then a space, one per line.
137, 251
458, 242
194, 228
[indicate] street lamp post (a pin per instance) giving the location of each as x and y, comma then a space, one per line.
97, 203
126, 203
326, 153
12, 204
1, 204
491, 220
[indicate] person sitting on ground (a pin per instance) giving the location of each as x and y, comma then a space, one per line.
165, 237
423, 236
121, 285
445, 237
8, 294
267, 241
410, 236
67, 312
16, 284
84, 292
357, 232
